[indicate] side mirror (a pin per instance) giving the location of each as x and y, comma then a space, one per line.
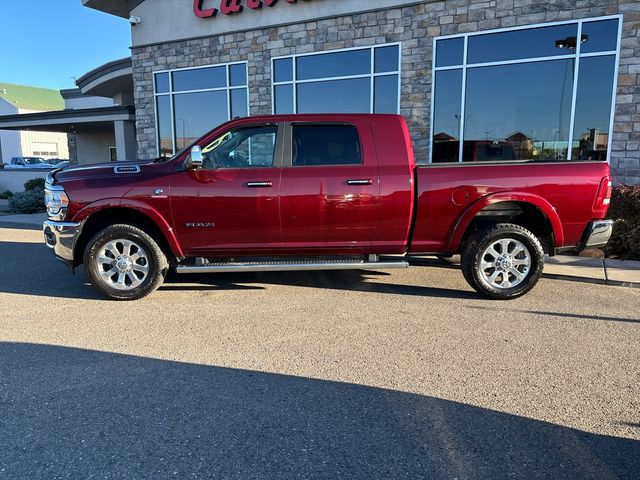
195, 160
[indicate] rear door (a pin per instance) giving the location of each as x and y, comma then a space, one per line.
330, 190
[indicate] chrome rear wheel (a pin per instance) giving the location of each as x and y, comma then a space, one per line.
505, 263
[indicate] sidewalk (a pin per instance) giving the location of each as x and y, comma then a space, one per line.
606, 271
580, 269
30, 221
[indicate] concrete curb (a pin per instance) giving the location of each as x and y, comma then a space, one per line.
598, 271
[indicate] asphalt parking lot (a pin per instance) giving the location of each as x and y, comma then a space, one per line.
406, 374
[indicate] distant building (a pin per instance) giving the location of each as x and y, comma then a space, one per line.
19, 100
98, 117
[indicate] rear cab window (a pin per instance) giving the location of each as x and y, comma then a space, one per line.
321, 145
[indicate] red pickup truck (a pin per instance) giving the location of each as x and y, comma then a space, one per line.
319, 192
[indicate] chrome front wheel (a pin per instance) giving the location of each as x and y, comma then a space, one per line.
122, 264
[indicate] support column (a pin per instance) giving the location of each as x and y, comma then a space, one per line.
126, 148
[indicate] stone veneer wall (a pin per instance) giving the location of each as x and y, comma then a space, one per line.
73, 150
414, 26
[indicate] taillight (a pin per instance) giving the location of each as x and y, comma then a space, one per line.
603, 199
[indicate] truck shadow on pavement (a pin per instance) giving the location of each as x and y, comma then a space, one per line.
33, 270
75, 413
351, 280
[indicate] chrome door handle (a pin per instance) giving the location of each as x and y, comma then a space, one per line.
360, 182
260, 184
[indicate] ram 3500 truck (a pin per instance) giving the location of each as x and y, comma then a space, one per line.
319, 192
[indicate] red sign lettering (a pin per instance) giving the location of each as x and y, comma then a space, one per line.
229, 7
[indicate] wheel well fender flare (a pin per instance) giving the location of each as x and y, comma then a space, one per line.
139, 207
465, 219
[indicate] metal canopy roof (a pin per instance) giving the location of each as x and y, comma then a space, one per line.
120, 8
69, 121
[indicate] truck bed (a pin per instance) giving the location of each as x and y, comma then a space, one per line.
450, 195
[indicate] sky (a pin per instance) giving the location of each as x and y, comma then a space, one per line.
43, 43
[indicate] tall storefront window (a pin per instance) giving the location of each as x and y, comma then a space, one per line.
360, 80
190, 102
537, 93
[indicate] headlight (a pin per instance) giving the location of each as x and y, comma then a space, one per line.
56, 201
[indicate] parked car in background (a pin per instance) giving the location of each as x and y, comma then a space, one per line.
28, 162
319, 192
59, 163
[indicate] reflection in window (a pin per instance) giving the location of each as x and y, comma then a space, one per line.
190, 102
593, 108
162, 83
362, 80
517, 44
508, 101
449, 52
283, 101
386, 94
602, 36
243, 148
345, 96
518, 112
165, 137
199, 79
197, 113
328, 65
446, 117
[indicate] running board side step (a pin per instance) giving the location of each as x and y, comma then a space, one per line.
290, 266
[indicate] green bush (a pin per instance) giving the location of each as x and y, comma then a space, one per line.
29, 201
625, 210
34, 184
6, 195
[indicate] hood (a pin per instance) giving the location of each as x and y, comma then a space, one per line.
102, 170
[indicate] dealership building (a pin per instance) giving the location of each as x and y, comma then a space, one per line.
496, 80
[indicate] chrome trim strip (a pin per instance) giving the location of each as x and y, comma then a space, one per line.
290, 267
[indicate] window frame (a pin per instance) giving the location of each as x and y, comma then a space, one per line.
372, 75
171, 94
577, 55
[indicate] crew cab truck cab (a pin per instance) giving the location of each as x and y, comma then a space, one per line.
319, 192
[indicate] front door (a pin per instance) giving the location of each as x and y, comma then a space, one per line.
231, 204
330, 188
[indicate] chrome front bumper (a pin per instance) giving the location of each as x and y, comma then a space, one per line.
61, 237
598, 233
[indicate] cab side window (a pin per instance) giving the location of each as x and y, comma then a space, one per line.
315, 145
252, 147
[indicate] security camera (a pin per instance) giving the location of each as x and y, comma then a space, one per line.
133, 20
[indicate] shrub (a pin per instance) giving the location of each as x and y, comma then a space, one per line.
34, 184
625, 210
6, 195
29, 201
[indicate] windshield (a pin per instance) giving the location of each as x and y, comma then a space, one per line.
35, 161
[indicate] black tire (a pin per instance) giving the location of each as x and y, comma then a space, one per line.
477, 245
155, 262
